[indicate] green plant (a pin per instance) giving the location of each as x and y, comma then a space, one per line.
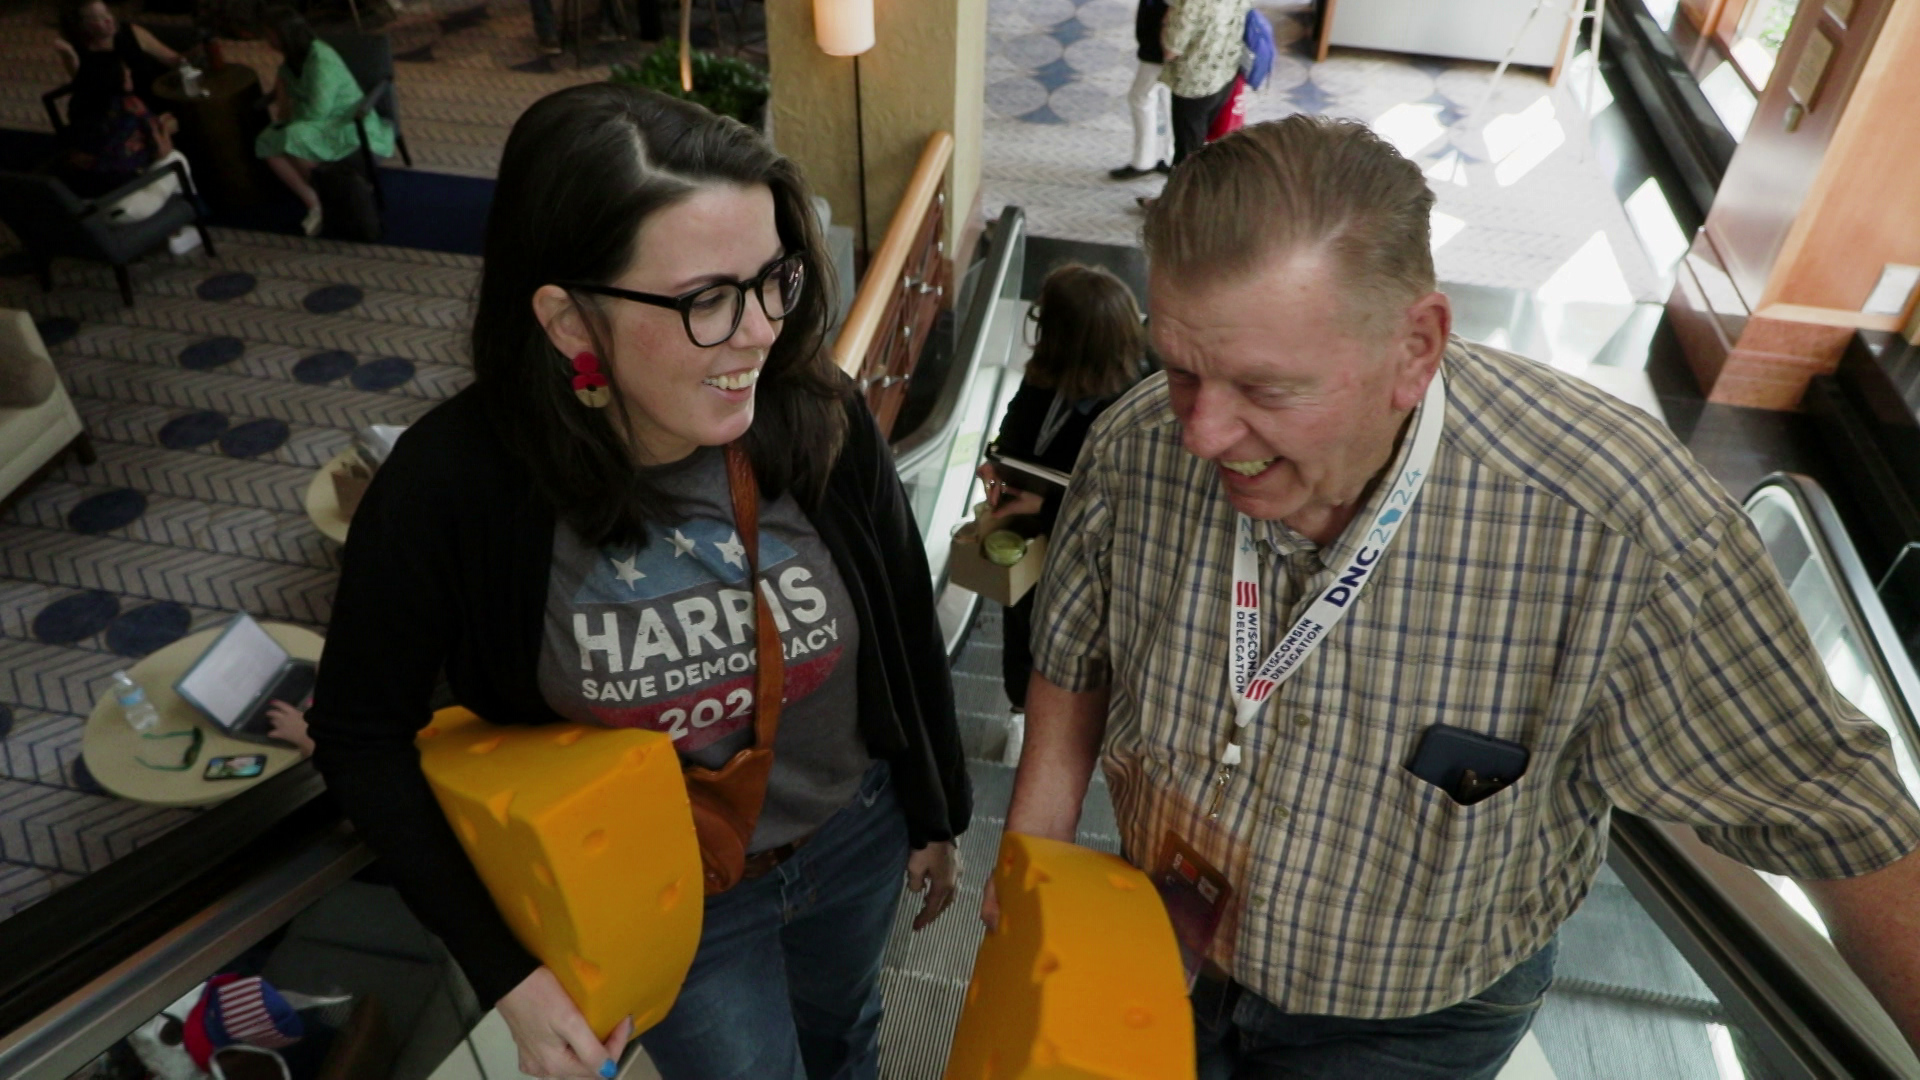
725, 84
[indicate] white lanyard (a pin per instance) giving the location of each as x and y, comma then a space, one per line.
1253, 686
1059, 411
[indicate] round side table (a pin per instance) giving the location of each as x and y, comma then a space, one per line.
323, 503
112, 749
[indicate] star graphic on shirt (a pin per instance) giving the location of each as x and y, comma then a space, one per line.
626, 571
681, 545
733, 551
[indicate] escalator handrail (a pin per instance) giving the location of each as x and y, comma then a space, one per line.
92, 924
88, 1019
1886, 653
1003, 269
1772, 959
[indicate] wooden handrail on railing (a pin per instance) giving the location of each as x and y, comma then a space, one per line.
903, 290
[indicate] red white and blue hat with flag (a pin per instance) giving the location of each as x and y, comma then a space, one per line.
236, 1009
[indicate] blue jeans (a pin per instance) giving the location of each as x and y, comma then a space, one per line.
1253, 1040
786, 983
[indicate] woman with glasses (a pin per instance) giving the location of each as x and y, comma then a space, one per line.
559, 540
1089, 347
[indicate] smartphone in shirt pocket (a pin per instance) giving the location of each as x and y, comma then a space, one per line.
1467, 765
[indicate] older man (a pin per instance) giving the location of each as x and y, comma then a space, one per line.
1380, 626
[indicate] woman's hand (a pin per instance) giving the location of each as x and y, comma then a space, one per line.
934, 870
553, 1037
1003, 498
1015, 503
289, 724
995, 485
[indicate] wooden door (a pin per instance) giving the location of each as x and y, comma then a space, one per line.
1771, 173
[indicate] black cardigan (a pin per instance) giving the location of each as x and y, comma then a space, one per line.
446, 570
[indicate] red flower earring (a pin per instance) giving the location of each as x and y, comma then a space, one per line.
588, 384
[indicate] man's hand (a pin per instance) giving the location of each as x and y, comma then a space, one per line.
1064, 729
934, 870
1874, 920
553, 1038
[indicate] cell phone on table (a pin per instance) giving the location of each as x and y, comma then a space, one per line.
236, 767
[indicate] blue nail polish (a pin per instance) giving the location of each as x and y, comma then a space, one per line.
608, 1069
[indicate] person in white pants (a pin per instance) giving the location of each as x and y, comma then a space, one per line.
1149, 99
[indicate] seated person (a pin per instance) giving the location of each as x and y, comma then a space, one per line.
111, 136
314, 99
110, 139
90, 37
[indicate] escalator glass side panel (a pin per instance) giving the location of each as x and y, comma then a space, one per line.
1839, 619
1685, 963
936, 463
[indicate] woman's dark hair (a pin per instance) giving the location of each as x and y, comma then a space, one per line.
290, 29
1089, 342
70, 27
584, 168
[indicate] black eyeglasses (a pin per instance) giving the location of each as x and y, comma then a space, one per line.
187, 756
711, 313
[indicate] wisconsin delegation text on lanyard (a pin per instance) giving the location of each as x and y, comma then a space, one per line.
1252, 687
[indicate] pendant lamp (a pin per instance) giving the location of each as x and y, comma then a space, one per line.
843, 27
686, 45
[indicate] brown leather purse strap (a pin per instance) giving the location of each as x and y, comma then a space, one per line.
772, 673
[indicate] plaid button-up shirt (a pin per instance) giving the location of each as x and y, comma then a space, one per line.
1570, 579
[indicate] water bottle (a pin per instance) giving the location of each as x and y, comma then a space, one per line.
140, 713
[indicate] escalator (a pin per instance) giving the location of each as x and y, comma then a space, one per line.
1681, 964
1781, 999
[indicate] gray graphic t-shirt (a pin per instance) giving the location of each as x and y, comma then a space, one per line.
662, 637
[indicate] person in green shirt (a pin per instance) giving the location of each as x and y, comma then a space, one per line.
314, 100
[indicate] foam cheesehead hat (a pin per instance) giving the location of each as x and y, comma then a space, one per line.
234, 1009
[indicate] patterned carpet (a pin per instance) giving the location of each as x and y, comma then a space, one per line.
1521, 196
211, 404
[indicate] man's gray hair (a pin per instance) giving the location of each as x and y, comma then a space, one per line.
1301, 185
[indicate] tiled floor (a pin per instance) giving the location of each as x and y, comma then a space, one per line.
1524, 200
